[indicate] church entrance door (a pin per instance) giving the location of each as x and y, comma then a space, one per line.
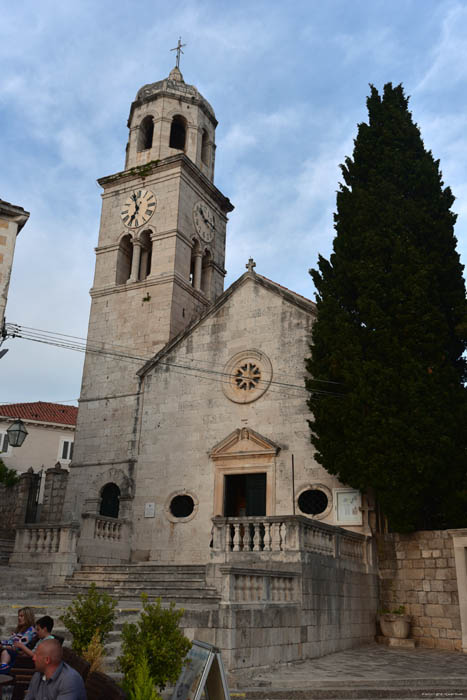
244, 494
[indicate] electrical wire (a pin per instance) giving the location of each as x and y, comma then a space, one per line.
65, 341
128, 351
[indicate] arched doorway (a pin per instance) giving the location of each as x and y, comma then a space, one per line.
110, 501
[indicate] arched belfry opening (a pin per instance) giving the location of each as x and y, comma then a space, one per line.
124, 260
110, 500
146, 255
145, 133
205, 147
178, 133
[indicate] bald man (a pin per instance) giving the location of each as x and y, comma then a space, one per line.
54, 679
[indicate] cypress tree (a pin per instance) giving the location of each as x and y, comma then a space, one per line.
391, 329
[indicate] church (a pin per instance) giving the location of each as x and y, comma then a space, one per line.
193, 476
192, 404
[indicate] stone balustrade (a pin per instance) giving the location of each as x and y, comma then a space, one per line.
104, 540
285, 538
242, 585
50, 548
108, 528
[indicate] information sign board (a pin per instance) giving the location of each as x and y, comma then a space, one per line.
203, 676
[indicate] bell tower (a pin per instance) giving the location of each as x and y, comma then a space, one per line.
159, 262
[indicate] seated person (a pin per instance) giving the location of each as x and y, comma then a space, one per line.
25, 633
54, 679
44, 627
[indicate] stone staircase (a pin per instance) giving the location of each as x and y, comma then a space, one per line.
6, 549
183, 585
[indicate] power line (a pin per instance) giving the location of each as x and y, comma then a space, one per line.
87, 344
60, 340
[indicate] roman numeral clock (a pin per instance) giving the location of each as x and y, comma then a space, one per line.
138, 208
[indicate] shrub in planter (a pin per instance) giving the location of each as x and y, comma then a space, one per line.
157, 637
86, 614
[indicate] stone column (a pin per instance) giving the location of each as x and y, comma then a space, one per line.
134, 276
197, 275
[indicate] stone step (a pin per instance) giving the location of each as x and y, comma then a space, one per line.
181, 597
142, 569
422, 689
115, 578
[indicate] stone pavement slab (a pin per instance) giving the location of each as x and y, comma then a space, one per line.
366, 672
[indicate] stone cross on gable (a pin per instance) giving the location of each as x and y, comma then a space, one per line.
178, 49
250, 265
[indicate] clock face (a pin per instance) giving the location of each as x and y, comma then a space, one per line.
205, 223
138, 208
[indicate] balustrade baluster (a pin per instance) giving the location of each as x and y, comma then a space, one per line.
283, 536
236, 538
267, 537
256, 537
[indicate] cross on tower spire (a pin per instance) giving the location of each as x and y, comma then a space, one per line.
178, 49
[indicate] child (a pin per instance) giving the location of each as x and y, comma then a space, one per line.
44, 627
25, 632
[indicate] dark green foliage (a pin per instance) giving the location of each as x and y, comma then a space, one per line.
88, 613
158, 638
392, 329
9, 477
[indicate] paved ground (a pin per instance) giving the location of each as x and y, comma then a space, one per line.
373, 668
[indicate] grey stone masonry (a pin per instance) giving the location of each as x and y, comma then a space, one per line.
418, 571
56, 480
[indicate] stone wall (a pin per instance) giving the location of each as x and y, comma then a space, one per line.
8, 503
419, 572
333, 607
56, 480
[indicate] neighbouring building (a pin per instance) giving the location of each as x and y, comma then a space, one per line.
50, 439
12, 220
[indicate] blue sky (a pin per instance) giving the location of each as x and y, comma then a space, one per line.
288, 82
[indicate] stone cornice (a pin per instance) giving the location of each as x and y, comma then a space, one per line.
148, 283
14, 213
178, 160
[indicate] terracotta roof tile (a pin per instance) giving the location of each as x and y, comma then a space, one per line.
42, 411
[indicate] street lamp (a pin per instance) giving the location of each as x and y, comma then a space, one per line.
16, 433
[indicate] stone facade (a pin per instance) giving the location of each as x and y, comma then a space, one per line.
418, 571
221, 408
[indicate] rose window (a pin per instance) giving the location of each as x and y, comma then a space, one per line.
248, 376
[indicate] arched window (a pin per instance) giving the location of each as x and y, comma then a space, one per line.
145, 134
124, 259
110, 501
178, 133
205, 148
146, 255
206, 273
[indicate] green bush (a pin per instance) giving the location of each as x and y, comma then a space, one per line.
142, 685
9, 477
157, 637
86, 614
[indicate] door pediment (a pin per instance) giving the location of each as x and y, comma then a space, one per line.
244, 442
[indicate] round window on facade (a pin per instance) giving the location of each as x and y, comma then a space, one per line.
182, 506
313, 502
